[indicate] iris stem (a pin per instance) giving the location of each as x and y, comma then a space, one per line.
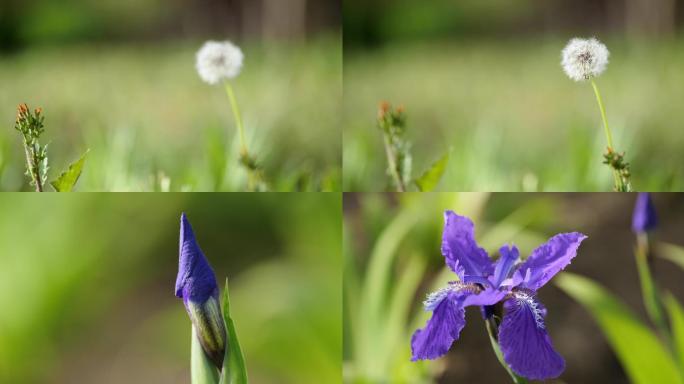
238, 118
649, 290
492, 330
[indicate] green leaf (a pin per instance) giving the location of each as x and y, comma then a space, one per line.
643, 357
202, 370
67, 180
234, 371
677, 323
671, 252
429, 180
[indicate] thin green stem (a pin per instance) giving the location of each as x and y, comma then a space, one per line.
609, 136
649, 290
492, 331
238, 117
391, 159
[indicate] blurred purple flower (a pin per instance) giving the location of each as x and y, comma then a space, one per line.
644, 217
196, 285
524, 342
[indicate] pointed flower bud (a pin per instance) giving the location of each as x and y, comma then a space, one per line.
196, 285
644, 218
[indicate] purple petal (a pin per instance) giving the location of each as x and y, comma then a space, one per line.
525, 344
547, 260
644, 218
460, 250
505, 264
195, 280
448, 318
443, 328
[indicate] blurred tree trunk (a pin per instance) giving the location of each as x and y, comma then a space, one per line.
284, 19
650, 17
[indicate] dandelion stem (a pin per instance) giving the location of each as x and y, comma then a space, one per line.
609, 136
492, 330
238, 117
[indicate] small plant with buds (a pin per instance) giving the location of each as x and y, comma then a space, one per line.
219, 63
31, 126
392, 123
584, 60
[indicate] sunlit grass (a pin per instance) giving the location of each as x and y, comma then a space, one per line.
513, 120
144, 112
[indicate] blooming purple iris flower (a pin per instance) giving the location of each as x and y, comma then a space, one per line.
644, 218
196, 285
524, 341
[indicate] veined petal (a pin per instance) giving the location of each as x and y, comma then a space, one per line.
443, 328
460, 249
448, 318
547, 260
525, 344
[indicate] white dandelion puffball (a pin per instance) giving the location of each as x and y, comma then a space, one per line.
584, 59
218, 61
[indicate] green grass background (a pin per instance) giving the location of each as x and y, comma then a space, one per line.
511, 118
145, 115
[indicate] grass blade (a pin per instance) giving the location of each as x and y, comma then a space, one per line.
643, 357
202, 370
68, 179
234, 371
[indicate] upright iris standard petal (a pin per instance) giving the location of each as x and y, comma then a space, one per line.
460, 250
196, 285
509, 255
525, 344
644, 217
547, 260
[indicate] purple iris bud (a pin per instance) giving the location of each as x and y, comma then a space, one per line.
523, 338
644, 218
196, 285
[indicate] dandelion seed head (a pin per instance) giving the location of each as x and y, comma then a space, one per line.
583, 59
217, 61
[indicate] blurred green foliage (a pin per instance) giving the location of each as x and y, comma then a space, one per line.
512, 118
146, 116
87, 285
389, 250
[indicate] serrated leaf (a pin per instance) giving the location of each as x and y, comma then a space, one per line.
67, 180
202, 370
642, 355
234, 370
677, 322
429, 180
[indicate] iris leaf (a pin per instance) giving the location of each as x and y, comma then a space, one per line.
202, 369
643, 357
234, 371
429, 180
67, 180
676, 312
671, 252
